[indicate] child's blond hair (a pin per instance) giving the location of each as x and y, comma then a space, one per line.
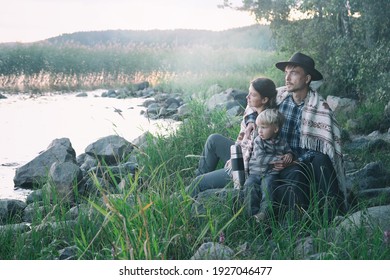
270, 117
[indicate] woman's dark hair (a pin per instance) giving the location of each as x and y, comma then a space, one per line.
266, 87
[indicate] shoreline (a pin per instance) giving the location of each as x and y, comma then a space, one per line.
32, 123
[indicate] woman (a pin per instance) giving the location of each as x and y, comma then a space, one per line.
261, 96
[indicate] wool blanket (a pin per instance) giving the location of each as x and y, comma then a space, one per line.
320, 131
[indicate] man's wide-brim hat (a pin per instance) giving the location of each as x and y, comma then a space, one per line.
306, 62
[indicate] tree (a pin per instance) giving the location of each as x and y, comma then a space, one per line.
344, 36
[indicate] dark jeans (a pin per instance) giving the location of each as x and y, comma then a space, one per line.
314, 185
323, 186
279, 190
216, 150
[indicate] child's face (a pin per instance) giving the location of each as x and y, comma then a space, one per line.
267, 131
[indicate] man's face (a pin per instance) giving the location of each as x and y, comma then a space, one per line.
295, 78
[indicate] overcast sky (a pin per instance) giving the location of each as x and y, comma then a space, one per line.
33, 20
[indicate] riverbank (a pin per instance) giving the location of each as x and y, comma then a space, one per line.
30, 123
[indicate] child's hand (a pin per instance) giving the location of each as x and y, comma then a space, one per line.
287, 158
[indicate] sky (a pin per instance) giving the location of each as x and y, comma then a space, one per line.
34, 20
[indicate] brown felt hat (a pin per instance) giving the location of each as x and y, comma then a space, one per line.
306, 62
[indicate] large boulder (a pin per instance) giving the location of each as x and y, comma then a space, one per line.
338, 104
229, 99
110, 150
372, 176
64, 177
370, 218
35, 172
11, 209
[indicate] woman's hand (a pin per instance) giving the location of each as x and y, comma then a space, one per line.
248, 130
240, 136
246, 135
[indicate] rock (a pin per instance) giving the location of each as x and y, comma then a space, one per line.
94, 186
230, 98
141, 141
88, 163
213, 251
338, 104
32, 210
379, 192
214, 89
371, 219
68, 253
115, 173
110, 150
169, 101
82, 210
35, 196
153, 109
183, 111
35, 172
82, 94
239, 96
147, 92
304, 248
373, 175
64, 178
218, 101
367, 144
215, 198
148, 101
140, 85
234, 110
111, 93
15, 229
42, 229
11, 209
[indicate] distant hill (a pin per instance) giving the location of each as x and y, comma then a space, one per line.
254, 36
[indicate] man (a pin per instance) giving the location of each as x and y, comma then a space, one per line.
313, 134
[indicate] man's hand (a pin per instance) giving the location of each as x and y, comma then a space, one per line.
280, 164
287, 158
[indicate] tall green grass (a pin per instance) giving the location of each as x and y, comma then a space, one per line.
153, 218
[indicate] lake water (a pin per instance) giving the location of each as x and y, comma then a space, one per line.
29, 125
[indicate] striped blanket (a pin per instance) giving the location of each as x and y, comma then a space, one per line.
320, 131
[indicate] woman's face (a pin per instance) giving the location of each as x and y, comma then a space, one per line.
255, 99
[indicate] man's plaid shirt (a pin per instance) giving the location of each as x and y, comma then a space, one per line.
291, 129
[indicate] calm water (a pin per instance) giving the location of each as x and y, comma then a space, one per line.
28, 126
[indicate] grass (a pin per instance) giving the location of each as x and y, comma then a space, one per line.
154, 219
175, 68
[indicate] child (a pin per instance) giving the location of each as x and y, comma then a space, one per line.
268, 147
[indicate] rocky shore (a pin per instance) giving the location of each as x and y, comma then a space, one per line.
112, 161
